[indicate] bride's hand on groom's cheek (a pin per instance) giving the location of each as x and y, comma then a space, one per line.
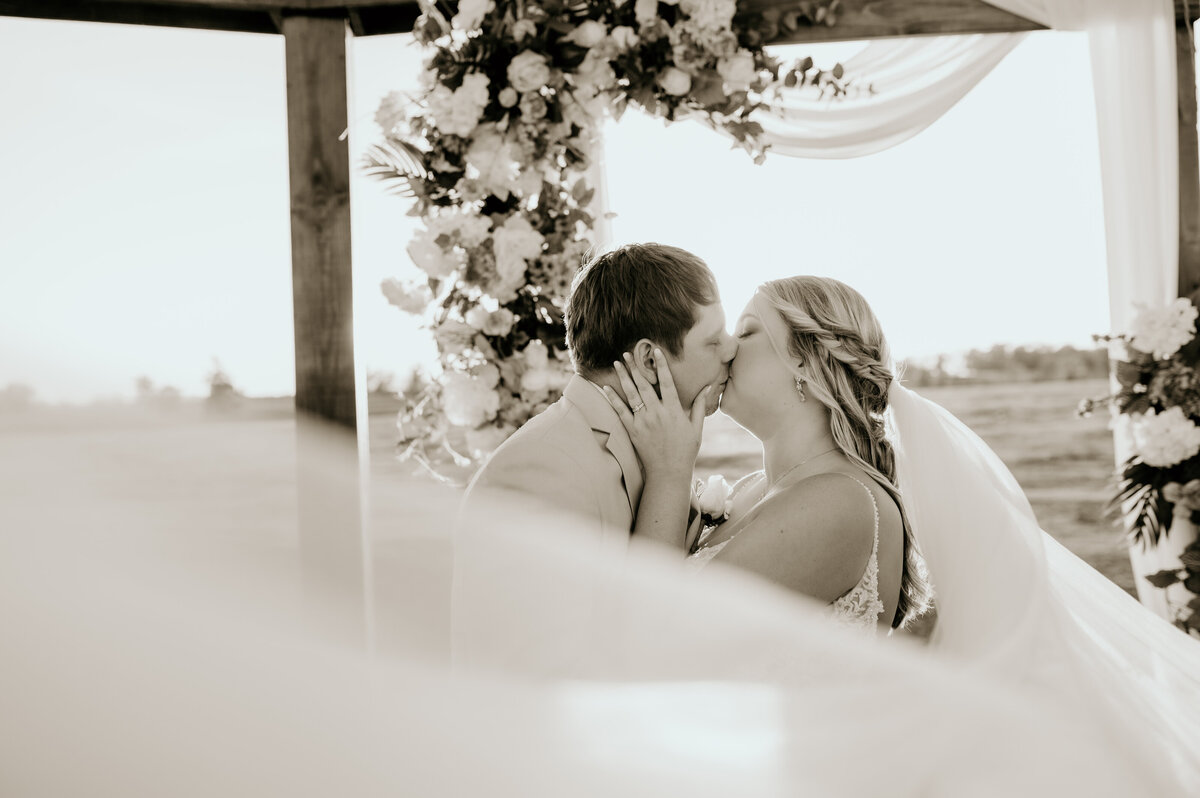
666, 438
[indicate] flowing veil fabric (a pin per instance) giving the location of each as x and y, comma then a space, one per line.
1015, 604
158, 645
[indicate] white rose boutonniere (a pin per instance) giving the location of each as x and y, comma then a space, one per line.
712, 497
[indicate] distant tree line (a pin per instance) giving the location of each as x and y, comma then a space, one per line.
1006, 364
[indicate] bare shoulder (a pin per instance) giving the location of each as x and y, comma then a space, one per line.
815, 536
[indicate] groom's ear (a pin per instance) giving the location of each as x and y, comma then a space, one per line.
643, 360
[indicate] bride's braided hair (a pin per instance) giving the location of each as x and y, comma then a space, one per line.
847, 367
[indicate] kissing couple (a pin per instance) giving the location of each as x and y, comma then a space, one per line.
807, 372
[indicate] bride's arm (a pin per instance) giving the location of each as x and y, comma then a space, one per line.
667, 442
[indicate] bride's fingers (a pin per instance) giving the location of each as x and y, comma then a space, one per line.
666, 382
632, 395
643, 384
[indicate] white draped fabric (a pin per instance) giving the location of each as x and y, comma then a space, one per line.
915, 81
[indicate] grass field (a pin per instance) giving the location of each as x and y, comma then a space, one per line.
1064, 463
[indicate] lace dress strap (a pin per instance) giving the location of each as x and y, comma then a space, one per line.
859, 609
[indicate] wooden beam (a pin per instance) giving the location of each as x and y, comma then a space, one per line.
874, 19
163, 14
319, 171
1189, 163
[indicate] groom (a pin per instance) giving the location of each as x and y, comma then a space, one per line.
576, 455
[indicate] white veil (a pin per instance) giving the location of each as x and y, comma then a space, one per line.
1012, 602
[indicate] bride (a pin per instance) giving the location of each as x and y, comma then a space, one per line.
824, 517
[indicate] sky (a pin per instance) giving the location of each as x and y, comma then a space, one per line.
144, 224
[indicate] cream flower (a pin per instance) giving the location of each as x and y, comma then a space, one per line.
493, 158
595, 74
624, 38
508, 97
392, 111
410, 297
1164, 331
533, 107
471, 13
737, 71
588, 34
1165, 439
453, 336
711, 14
431, 258
528, 71
646, 11
523, 29
458, 112
468, 401
515, 242
496, 322
675, 81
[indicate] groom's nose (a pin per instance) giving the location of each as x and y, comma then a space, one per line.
730, 349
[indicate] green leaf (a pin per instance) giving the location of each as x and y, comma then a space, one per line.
1163, 578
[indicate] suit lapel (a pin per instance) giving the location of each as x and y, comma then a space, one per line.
604, 421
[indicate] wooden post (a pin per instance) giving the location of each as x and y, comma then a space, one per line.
334, 555
1189, 162
319, 170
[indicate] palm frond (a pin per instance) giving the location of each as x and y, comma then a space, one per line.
396, 164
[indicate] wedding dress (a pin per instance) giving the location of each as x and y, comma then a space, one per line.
159, 642
859, 608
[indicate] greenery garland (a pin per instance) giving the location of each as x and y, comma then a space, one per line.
495, 152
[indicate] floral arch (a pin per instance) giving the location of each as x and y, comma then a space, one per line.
496, 152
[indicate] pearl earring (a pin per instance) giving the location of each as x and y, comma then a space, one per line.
800, 389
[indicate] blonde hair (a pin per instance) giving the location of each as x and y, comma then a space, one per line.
846, 365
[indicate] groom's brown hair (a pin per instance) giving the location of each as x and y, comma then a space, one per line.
637, 291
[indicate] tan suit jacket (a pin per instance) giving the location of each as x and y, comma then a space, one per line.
571, 470
575, 456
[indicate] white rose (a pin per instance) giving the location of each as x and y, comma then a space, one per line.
523, 29
492, 157
646, 11
499, 322
515, 243
409, 297
528, 71
711, 14
508, 97
477, 316
737, 71
468, 401
624, 38
537, 356
1164, 331
487, 374
454, 336
530, 183
595, 74
675, 81
533, 107
1165, 439
485, 440
473, 229
588, 35
471, 13
713, 496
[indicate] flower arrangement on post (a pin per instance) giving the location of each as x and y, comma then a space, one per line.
1158, 488
494, 152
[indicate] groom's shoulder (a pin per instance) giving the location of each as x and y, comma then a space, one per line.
560, 426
